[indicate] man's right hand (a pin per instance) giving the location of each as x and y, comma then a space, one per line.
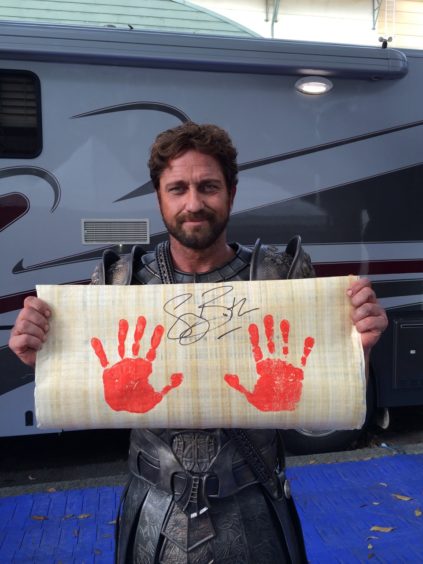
30, 330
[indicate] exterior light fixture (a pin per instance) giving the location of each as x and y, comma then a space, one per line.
313, 85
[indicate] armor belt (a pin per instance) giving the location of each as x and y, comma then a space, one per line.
153, 460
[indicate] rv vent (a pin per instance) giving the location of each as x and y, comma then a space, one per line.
115, 231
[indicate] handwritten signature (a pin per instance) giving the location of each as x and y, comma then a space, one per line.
218, 308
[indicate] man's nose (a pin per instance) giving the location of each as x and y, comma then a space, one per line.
194, 201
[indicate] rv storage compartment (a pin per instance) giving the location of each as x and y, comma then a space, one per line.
408, 353
398, 361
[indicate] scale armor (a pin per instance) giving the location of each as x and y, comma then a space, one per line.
199, 496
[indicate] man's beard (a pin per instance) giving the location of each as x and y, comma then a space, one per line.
201, 238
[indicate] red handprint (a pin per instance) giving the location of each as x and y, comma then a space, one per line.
126, 386
279, 385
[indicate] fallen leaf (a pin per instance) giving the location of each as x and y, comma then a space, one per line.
369, 546
39, 517
51, 490
379, 529
402, 497
417, 513
69, 516
84, 515
375, 502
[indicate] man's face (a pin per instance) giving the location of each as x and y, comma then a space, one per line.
194, 200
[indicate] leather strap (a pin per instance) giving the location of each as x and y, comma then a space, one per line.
255, 460
273, 482
164, 263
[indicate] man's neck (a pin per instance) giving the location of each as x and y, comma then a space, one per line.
199, 261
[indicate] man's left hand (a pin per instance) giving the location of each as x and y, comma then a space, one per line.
367, 315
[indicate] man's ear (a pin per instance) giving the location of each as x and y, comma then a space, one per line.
232, 195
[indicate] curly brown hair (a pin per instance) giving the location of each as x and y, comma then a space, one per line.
205, 138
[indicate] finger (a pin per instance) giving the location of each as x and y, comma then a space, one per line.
368, 296
122, 333
33, 325
233, 381
26, 347
97, 345
31, 302
138, 334
284, 327
269, 330
360, 291
308, 347
367, 310
25, 344
155, 342
254, 340
364, 296
175, 381
357, 284
372, 323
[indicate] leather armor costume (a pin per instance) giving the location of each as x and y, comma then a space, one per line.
207, 496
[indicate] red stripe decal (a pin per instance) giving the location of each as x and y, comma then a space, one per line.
364, 268
13, 302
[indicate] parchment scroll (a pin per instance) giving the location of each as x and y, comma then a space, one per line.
272, 354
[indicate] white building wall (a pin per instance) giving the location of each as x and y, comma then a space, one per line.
334, 21
403, 21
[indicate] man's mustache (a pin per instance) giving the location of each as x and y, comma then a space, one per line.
195, 216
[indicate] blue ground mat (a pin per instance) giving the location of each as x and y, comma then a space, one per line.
338, 504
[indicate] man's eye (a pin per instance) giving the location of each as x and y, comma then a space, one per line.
176, 189
210, 187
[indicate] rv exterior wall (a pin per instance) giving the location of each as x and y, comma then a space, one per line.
345, 170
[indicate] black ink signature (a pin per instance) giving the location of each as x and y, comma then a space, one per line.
217, 309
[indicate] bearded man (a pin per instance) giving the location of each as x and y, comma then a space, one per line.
211, 495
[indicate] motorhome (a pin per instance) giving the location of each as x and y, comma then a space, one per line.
79, 108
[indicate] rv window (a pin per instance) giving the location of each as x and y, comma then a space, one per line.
20, 115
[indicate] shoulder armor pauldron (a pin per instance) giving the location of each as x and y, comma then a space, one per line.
268, 263
116, 269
